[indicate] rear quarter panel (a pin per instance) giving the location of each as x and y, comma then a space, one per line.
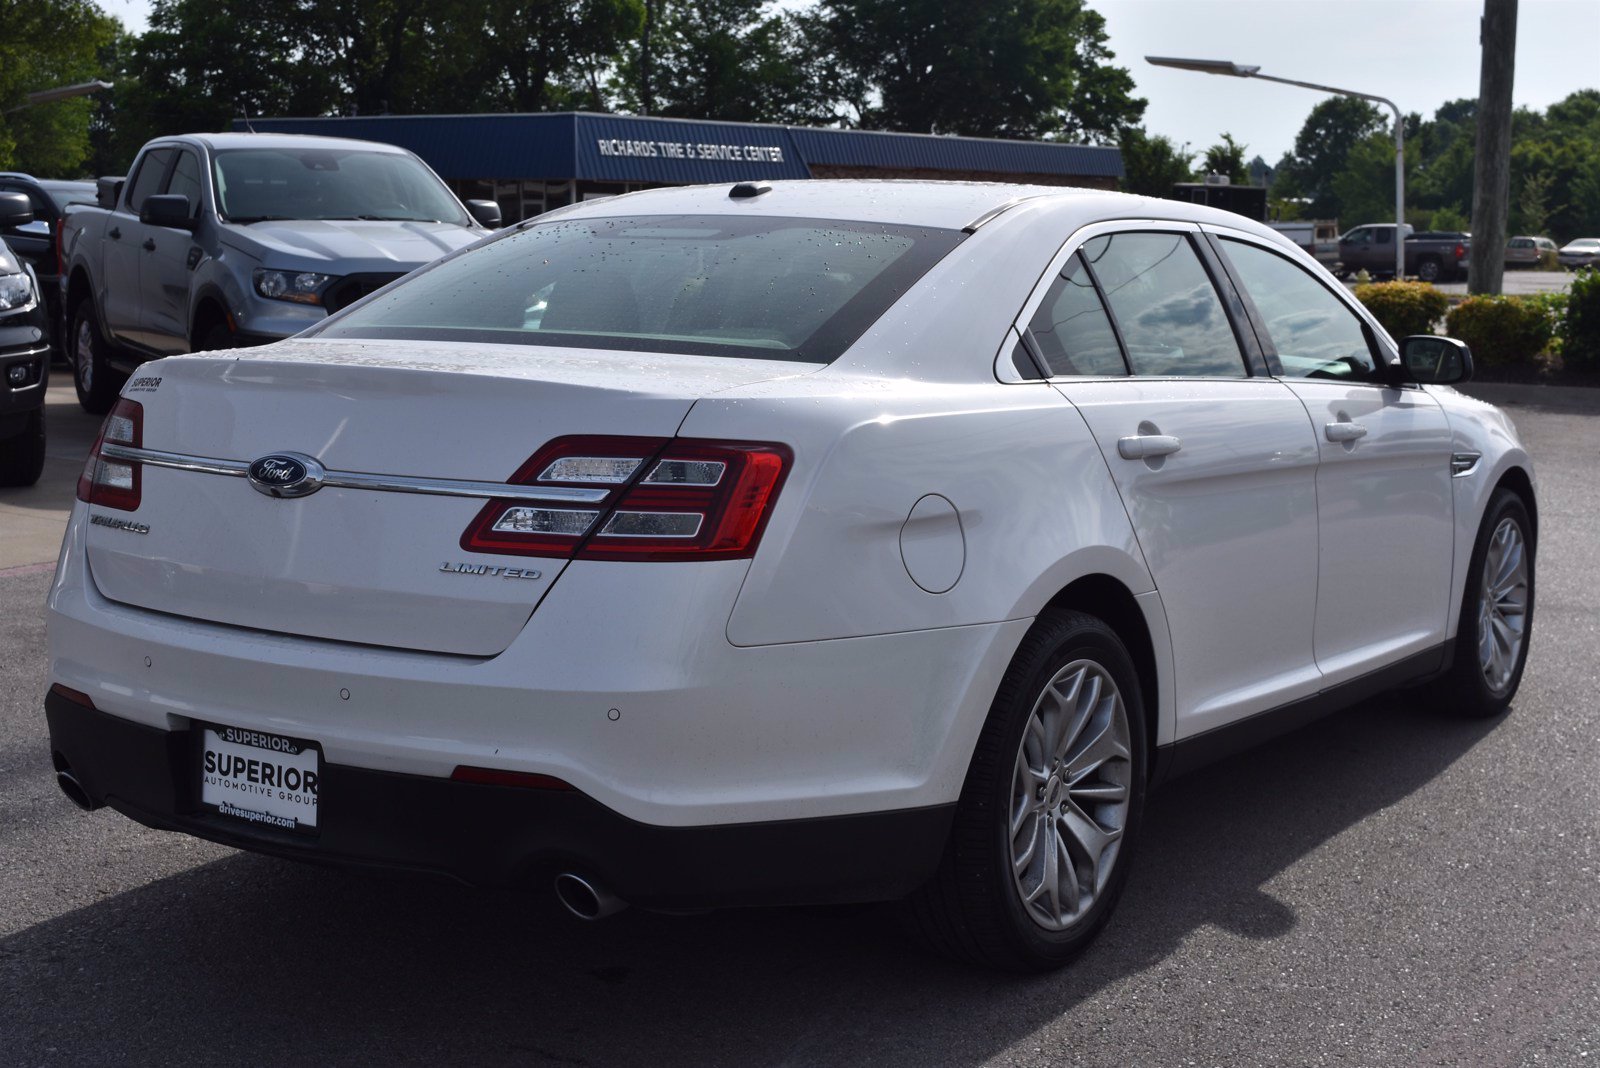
1036, 505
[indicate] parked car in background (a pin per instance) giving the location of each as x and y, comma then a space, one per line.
36, 242
1584, 252
1318, 237
1432, 256
1529, 251
221, 240
24, 356
782, 543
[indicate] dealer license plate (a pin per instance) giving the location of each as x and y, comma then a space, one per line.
265, 779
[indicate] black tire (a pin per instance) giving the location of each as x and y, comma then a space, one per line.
1466, 689
22, 457
215, 336
973, 908
94, 379
1429, 270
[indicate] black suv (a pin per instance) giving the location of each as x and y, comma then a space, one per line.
24, 356
36, 242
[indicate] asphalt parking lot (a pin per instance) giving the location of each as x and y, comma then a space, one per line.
1386, 887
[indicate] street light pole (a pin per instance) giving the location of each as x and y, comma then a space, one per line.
1236, 70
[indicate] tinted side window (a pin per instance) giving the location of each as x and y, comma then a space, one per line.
186, 179
1171, 318
1072, 330
1314, 334
148, 180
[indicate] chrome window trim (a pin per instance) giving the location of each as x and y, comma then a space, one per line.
1004, 372
438, 487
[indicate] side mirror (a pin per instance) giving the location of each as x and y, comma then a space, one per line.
170, 210
1432, 360
486, 212
106, 192
15, 209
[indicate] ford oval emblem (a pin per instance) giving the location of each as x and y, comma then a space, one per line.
286, 474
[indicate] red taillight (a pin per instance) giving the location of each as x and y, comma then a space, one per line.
111, 483
1461, 251
657, 499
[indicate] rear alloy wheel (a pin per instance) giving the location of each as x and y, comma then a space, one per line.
1428, 270
1044, 830
22, 457
97, 384
1496, 614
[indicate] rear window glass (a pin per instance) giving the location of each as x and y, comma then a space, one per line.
749, 287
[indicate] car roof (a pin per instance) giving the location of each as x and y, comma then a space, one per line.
947, 205
224, 141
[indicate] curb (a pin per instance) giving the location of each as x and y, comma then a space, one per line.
1526, 395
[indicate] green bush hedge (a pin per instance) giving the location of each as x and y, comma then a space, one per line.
1404, 307
1503, 330
1580, 329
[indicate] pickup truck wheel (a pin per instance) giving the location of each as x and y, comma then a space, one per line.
215, 336
1428, 270
97, 384
22, 457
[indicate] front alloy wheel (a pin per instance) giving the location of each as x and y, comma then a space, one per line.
1503, 605
1496, 620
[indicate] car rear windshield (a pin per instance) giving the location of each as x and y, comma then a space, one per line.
258, 184
706, 285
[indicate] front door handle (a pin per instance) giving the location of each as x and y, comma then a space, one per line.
115, 234
149, 244
1344, 432
1147, 446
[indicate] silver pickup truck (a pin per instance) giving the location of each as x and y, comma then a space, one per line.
222, 240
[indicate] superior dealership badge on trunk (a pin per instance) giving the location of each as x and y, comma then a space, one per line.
287, 474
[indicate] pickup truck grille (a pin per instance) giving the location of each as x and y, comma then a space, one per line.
352, 287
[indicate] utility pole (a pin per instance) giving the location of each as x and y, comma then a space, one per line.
647, 100
1491, 187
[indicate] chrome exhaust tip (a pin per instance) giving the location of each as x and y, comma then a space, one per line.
74, 790
584, 899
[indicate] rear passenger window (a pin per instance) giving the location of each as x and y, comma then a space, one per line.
1171, 318
1071, 329
1314, 334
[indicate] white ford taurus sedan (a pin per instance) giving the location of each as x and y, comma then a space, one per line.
812, 542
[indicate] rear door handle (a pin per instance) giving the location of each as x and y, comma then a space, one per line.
1344, 432
149, 244
1147, 446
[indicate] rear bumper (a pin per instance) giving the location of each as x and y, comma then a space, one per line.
506, 836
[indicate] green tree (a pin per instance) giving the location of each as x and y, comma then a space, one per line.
1152, 164
202, 64
1227, 158
1023, 69
45, 44
1321, 149
720, 59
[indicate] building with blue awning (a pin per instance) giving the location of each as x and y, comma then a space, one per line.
534, 162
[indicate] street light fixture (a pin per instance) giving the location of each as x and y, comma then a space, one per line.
1236, 70
61, 92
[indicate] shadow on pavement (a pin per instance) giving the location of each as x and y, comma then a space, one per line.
252, 958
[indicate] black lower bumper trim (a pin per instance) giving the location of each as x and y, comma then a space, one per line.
507, 836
